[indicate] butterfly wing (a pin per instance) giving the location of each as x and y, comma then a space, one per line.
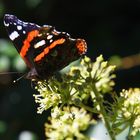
44, 49
21, 33
57, 51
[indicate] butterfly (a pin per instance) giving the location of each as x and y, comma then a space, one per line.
44, 49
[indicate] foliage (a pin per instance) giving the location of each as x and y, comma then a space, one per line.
9, 57
74, 97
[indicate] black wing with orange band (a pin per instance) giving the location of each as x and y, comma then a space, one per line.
44, 49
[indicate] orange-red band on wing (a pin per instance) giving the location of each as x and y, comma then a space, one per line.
48, 48
26, 43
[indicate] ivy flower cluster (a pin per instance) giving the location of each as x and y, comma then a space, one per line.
67, 124
131, 108
89, 81
76, 86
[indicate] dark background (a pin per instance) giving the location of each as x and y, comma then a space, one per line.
111, 28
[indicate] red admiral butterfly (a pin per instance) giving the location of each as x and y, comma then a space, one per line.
44, 49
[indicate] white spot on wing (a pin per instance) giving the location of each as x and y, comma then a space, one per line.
40, 43
49, 37
6, 24
31, 23
51, 41
26, 23
14, 35
19, 27
24, 32
57, 32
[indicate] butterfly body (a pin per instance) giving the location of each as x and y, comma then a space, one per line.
44, 49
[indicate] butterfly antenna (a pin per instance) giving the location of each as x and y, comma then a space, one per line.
19, 78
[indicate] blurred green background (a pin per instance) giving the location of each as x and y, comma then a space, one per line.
111, 28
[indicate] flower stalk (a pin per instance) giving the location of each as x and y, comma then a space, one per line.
103, 112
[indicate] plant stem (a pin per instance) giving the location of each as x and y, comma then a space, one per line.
86, 107
129, 137
103, 112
